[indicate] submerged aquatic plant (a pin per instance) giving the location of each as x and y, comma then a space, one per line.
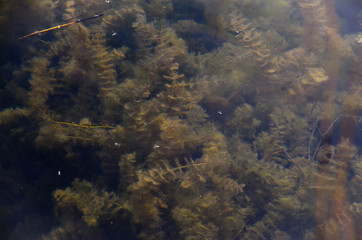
164, 134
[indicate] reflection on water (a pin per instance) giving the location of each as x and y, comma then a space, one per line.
169, 119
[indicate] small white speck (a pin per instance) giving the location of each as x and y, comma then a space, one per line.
114, 33
108, 1
219, 112
117, 144
156, 146
59, 173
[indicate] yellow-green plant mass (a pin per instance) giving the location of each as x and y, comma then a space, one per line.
180, 119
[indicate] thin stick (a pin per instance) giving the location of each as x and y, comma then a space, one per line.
323, 135
60, 26
290, 158
311, 137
